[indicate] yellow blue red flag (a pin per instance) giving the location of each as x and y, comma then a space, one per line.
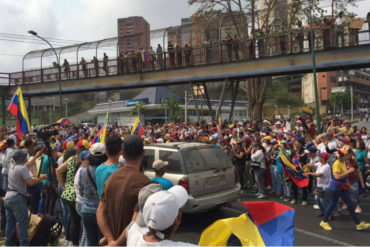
18, 109
62, 122
294, 170
266, 223
100, 136
137, 129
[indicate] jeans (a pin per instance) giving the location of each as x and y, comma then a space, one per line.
355, 195
274, 179
83, 240
5, 182
66, 220
16, 214
339, 33
75, 222
258, 175
333, 194
322, 202
295, 192
279, 180
241, 170
36, 194
92, 229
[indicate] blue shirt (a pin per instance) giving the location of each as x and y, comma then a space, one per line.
102, 173
90, 198
165, 183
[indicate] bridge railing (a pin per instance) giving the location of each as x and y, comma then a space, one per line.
256, 47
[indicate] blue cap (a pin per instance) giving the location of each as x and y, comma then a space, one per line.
341, 134
84, 154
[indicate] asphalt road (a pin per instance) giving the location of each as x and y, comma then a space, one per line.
307, 229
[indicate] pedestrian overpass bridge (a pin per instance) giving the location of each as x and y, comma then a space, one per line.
326, 60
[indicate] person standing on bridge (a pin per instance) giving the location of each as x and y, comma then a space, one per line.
67, 69
339, 24
171, 54
120, 64
96, 65
84, 66
300, 35
151, 58
159, 56
179, 55
187, 53
282, 36
133, 61
105, 64
326, 33
229, 46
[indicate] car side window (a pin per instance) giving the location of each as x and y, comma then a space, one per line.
174, 162
148, 159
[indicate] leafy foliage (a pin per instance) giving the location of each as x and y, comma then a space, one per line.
343, 99
172, 103
138, 109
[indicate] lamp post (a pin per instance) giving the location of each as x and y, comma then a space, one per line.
317, 109
59, 71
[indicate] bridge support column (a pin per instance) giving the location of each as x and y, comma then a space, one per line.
222, 97
234, 92
29, 110
195, 100
3, 110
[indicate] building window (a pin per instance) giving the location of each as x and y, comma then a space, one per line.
333, 79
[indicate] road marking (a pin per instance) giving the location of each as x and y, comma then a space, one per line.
322, 237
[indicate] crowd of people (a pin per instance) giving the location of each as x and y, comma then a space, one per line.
106, 199
331, 32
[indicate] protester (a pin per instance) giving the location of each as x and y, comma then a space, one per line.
89, 193
113, 150
159, 167
339, 24
16, 197
162, 215
120, 192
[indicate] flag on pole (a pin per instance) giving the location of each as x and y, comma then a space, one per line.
267, 223
307, 112
18, 109
61, 122
137, 129
293, 170
100, 136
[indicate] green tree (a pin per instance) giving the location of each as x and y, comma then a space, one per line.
172, 104
138, 109
342, 99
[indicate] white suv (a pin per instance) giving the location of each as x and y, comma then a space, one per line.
203, 170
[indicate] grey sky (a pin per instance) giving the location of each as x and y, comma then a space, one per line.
83, 20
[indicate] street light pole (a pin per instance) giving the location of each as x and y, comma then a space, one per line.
59, 71
317, 109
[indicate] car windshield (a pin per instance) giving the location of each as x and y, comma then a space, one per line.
205, 158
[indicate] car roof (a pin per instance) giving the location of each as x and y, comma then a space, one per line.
179, 145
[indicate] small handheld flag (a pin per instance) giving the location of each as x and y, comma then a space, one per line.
219, 119
18, 109
61, 122
100, 136
293, 170
137, 129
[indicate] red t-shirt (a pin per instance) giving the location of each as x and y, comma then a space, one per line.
352, 178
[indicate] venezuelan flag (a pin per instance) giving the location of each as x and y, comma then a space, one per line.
293, 170
267, 223
307, 112
100, 136
62, 122
18, 109
137, 129
231, 126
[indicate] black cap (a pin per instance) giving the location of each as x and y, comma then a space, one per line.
133, 147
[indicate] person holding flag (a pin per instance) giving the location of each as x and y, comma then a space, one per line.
137, 129
100, 136
18, 109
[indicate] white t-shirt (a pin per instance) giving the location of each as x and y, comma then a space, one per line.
135, 237
324, 180
340, 21
258, 157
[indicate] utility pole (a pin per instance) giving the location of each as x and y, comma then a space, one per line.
186, 107
317, 108
351, 102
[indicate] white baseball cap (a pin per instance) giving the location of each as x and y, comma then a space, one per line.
159, 164
162, 208
97, 149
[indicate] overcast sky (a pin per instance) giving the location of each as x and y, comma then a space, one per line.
83, 20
